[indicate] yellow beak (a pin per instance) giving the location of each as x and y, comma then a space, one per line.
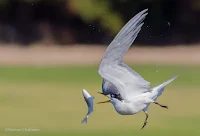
103, 102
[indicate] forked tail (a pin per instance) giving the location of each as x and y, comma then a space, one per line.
159, 89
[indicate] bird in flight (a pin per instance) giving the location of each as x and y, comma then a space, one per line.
128, 91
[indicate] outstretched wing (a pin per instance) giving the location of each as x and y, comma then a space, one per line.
128, 82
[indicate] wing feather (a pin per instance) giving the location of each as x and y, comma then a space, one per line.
128, 82
124, 38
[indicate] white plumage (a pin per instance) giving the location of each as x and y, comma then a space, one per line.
134, 90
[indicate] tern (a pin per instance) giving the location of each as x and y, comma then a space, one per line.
89, 100
134, 91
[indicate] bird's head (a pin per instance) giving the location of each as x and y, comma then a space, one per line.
114, 100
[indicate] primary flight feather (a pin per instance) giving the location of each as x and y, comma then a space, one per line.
134, 90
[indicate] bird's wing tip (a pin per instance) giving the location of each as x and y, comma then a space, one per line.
176, 75
145, 10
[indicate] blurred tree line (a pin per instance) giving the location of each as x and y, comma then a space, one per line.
97, 21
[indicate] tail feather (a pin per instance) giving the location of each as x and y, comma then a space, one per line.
169, 81
159, 89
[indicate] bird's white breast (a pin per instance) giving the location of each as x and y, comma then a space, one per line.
125, 109
130, 108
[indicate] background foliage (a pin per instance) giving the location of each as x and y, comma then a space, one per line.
97, 21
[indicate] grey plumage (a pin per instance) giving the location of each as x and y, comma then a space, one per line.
108, 88
112, 59
133, 89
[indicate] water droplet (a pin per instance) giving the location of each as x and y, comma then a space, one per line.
156, 70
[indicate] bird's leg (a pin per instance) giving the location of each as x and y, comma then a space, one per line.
163, 106
145, 122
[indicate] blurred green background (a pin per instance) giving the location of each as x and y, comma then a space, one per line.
50, 51
50, 98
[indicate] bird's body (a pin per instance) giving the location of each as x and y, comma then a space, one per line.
140, 102
135, 92
129, 108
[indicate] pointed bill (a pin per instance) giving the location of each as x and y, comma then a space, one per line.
103, 102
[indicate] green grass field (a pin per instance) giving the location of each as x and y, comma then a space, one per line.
50, 99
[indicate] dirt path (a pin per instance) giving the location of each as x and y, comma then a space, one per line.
90, 55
